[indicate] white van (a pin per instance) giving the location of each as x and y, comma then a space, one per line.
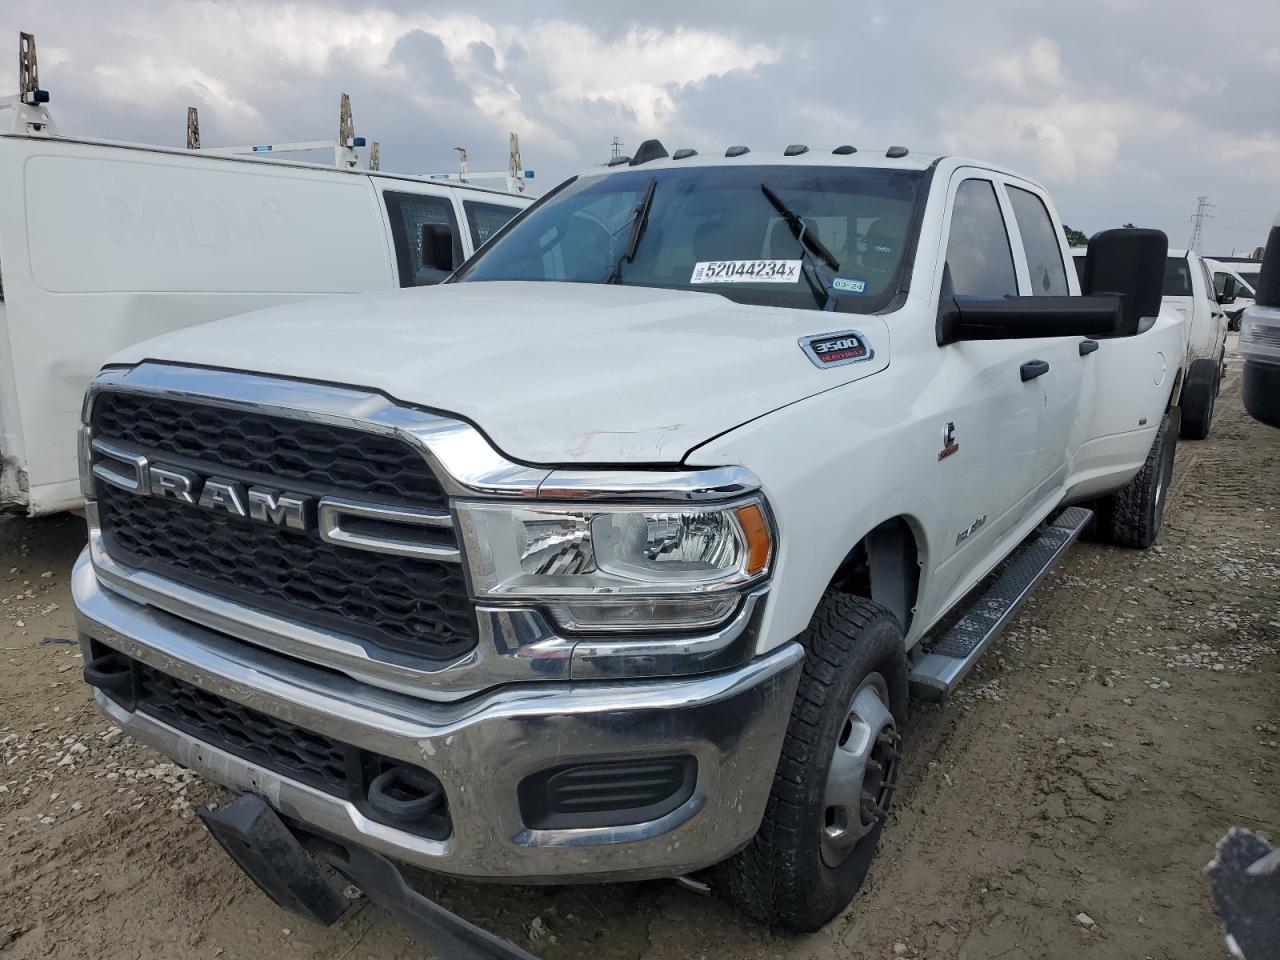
103, 244
1189, 289
1236, 282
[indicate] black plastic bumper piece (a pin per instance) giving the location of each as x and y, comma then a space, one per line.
283, 863
264, 848
1261, 391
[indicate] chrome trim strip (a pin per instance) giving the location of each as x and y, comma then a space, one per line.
331, 510
731, 722
715, 483
139, 482
668, 655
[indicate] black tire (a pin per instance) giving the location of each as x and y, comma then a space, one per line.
1199, 397
1133, 516
783, 878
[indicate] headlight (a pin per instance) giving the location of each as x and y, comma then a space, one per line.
618, 567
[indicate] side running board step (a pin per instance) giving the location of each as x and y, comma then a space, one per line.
939, 671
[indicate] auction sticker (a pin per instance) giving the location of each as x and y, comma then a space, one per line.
746, 271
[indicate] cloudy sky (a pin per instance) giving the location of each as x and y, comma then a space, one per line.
1127, 110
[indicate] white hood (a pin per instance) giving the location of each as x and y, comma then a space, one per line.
553, 373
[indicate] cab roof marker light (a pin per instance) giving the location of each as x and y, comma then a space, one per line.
844, 150
650, 150
737, 151
795, 149
896, 153
684, 153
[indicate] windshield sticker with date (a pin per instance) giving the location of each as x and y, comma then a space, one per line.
846, 285
746, 271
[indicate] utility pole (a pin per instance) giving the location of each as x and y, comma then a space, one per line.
462, 164
1197, 230
617, 148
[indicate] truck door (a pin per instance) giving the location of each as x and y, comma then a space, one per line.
995, 414
1041, 260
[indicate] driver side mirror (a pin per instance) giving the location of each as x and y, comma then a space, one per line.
1228, 294
437, 247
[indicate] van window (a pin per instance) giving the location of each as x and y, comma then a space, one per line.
1177, 277
408, 212
486, 219
1040, 241
978, 252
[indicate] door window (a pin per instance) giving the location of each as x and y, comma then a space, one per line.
979, 258
1040, 241
408, 213
1177, 277
486, 219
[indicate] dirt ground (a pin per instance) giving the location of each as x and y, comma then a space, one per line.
1124, 722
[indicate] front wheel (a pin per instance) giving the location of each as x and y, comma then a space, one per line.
836, 775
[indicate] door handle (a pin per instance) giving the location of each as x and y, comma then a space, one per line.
1087, 347
1033, 368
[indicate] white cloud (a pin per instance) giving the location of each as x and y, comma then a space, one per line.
639, 72
1033, 71
1064, 139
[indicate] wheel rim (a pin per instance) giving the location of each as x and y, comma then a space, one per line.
863, 772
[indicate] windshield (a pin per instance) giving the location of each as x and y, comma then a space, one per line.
715, 229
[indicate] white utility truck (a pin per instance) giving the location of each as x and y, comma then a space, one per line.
103, 244
616, 555
1236, 282
1189, 289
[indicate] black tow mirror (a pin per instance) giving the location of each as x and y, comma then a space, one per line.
437, 246
1023, 318
1129, 263
1228, 294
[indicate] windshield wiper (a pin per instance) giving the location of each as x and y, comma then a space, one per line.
639, 222
820, 259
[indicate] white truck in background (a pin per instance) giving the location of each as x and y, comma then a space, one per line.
1236, 282
103, 244
616, 555
1189, 289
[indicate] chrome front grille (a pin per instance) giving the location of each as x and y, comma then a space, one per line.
417, 606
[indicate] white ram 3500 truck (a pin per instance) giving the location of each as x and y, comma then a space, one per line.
616, 555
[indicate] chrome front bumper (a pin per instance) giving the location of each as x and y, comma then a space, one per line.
480, 749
